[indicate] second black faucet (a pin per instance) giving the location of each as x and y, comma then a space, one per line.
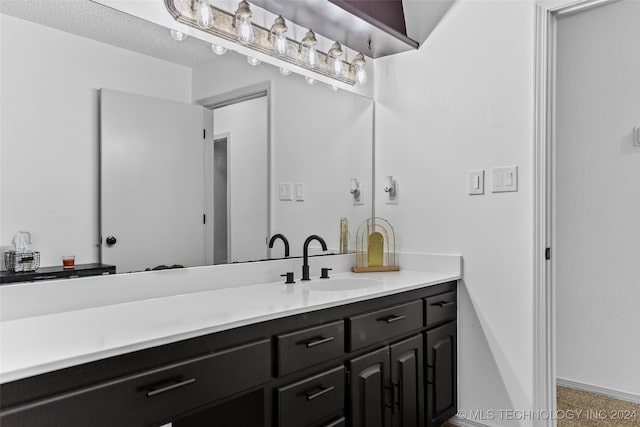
305, 254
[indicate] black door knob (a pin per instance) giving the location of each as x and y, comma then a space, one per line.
111, 240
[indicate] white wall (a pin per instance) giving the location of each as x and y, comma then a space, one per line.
318, 137
49, 137
598, 197
465, 101
247, 176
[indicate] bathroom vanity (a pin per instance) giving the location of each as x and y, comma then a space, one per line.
353, 350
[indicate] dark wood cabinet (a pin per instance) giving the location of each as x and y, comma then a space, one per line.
407, 380
382, 362
369, 390
441, 373
386, 386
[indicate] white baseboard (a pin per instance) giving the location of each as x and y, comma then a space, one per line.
461, 422
620, 395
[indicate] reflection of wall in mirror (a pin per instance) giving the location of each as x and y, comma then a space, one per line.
50, 82
319, 137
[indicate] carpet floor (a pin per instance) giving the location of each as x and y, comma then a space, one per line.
578, 408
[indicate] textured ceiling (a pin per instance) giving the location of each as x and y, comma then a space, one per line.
95, 21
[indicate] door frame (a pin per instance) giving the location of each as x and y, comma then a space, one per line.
210, 103
547, 13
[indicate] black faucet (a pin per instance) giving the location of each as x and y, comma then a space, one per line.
305, 254
284, 240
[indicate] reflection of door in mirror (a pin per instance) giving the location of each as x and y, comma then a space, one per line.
240, 171
151, 182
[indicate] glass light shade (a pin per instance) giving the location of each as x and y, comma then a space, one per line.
312, 57
361, 76
218, 50
205, 14
245, 31
310, 80
285, 71
280, 44
253, 61
178, 35
337, 67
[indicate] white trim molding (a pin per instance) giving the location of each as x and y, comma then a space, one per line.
615, 394
544, 287
461, 422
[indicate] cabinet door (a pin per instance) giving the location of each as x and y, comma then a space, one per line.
407, 381
441, 373
370, 390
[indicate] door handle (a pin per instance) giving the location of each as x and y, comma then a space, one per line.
162, 388
111, 240
311, 396
444, 303
319, 341
392, 319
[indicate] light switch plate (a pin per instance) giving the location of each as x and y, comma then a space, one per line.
476, 182
504, 179
286, 191
299, 191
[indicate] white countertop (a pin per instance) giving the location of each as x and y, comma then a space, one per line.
38, 344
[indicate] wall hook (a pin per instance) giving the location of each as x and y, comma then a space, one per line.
356, 191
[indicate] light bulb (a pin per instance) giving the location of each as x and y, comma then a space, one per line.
245, 32
310, 80
338, 67
178, 35
312, 57
205, 15
285, 71
280, 44
218, 50
253, 61
361, 76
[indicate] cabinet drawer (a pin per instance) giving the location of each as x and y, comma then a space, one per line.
440, 308
151, 396
307, 347
370, 328
311, 399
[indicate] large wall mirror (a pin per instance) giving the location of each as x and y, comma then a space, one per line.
60, 58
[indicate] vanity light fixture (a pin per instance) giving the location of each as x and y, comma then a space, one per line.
333, 57
237, 27
205, 14
309, 42
244, 28
359, 63
218, 50
285, 71
253, 61
277, 33
310, 80
334, 88
178, 35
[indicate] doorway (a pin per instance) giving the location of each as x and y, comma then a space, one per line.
237, 175
549, 169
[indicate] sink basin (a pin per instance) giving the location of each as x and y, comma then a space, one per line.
341, 284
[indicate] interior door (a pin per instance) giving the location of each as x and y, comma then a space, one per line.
151, 182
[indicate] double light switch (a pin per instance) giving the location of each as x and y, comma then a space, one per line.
503, 179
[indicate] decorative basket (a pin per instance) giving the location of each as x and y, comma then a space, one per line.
18, 262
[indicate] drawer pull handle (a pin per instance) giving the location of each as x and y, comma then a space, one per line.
444, 303
311, 396
162, 389
392, 319
314, 343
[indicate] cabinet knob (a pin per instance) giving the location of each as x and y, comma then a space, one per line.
111, 240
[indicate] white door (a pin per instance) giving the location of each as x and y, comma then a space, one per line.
151, 182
